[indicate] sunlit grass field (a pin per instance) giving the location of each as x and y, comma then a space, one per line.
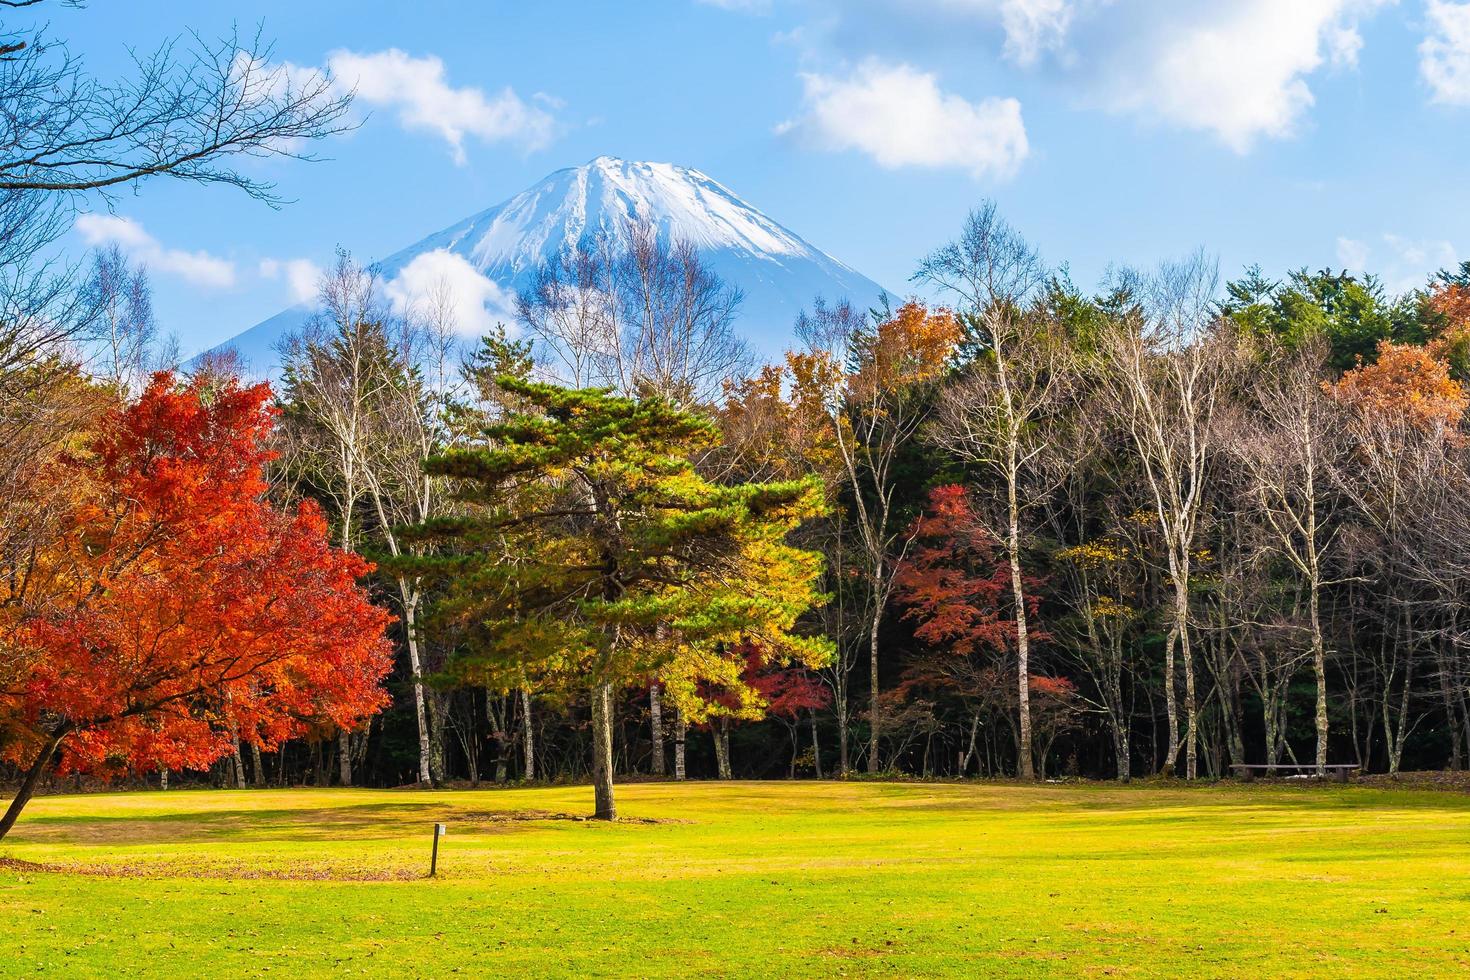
767, 879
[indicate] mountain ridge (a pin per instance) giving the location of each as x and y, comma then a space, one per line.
778, 271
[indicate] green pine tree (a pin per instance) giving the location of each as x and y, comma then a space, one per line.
590, 553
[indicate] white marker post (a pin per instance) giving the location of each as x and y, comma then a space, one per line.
439, 831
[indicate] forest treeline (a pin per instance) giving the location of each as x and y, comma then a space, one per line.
1015, 529
1165, 526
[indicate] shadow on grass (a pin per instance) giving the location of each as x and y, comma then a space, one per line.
365, 821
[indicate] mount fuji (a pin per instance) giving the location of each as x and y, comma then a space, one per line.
488, 257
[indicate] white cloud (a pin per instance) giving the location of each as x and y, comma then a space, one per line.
900, 117
1444, 54
198, 268
1352, 254
440, 277
1237, 70
1032, 26
417, 88
302, 276
1400, 263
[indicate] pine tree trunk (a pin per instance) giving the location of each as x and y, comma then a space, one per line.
721, 732
436, 740
504, 748
602, 753
528, 736
27, 787
681, 734
656, 722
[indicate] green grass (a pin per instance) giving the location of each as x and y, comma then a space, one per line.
766, 879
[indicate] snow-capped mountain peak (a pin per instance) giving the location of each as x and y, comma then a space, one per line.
778, 271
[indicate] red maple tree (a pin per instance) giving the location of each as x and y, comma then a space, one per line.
183, 611
952, 584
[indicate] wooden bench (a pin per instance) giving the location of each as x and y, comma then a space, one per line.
1340, 771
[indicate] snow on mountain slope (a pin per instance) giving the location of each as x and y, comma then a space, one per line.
778, 271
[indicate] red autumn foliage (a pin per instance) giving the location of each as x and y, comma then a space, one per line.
184, 610
784, 691
1055, 688
787, 691
953, 585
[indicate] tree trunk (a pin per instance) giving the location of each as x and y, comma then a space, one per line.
28, 785
319, 771
344, 757
257, 768
1171, 703
503, 751
721, 731
844, 764
163, 778
436, 741
602, 753
681, 734
410, 627
1319, 647
239, 765
656, 722
1122, 751
1191, 704
970, 748
1023, 645
528, 735
874, 717
816, 746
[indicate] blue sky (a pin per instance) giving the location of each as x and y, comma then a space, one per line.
1284, 132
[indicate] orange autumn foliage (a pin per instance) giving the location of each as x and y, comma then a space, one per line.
912, 346
182, 609
777, 421
1451, 302
1406, 382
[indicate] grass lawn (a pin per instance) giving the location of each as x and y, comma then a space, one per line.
768, 879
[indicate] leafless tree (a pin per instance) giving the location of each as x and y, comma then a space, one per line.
360, 415
1000, 414
571, 309
637, 312
1167, 371
190, 109
1290, 455
124, 335
877, 409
